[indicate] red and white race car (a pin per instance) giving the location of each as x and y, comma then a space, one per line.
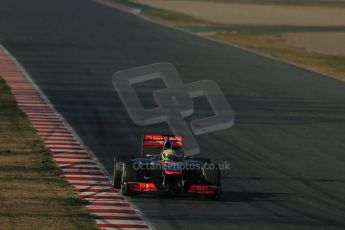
163, 169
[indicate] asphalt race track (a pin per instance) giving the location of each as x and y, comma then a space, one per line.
286, 148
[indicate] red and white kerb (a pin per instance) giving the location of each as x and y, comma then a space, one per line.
111, 209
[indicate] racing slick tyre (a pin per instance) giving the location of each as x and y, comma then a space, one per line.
117, 176
129, 174
211, 175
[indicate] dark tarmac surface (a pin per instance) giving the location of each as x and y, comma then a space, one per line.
286, 148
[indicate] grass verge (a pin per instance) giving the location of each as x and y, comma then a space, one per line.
33, 195
275, 44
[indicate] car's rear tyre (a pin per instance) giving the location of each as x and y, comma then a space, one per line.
203, 160
129, 174
211, 175
117, 175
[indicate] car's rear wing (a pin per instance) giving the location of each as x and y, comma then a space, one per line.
157, 141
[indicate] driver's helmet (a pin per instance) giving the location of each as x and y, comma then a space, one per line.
168, 155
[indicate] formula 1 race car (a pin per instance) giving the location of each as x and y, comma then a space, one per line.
163, 169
